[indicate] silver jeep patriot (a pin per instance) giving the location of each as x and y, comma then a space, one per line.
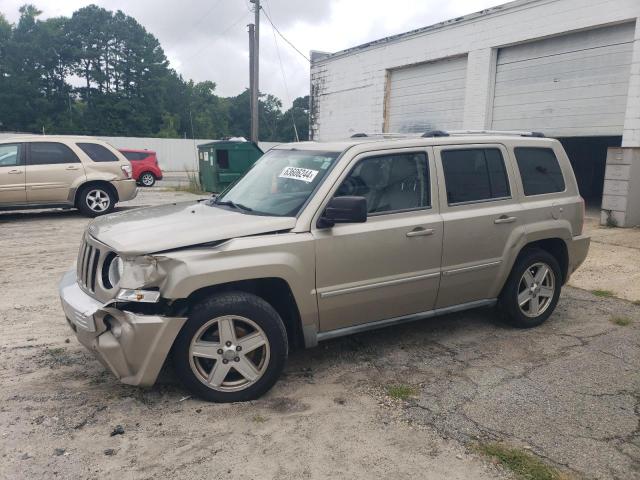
320, 240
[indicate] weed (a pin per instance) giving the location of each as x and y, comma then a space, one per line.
523, 464
636, 302
401, 392
620, 321
259, 419
192, 186
602, 293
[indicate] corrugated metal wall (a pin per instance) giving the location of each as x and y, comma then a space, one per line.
427, 96
174, 154
568, 85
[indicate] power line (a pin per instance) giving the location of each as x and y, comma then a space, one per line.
221, 34
283, 37
284, 80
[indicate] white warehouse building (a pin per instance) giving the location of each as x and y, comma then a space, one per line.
567, 68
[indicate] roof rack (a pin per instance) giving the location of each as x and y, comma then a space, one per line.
386, 134
441, 133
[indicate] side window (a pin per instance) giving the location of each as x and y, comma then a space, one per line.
540, 170
10, 154
390, 182
474, 175
130, 155
222, 158
97, 153
50, 153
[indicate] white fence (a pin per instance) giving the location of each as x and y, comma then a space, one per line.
174, 154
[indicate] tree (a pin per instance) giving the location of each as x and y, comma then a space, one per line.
128, 87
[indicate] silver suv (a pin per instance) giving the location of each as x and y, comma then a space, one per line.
320, 240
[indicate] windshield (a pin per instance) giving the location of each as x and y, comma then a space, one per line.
279, 183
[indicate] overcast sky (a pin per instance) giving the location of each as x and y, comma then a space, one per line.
208, 40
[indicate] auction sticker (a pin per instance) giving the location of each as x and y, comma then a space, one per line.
296, 173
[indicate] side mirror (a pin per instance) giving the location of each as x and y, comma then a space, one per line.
344, 210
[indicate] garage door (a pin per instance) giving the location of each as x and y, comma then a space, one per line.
572, 85
426, 96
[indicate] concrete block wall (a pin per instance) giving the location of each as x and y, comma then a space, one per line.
621, 195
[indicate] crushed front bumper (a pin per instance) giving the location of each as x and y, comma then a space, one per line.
133, 346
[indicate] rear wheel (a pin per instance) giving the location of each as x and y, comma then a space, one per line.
96, 200
232, 348
147, 179
532, 290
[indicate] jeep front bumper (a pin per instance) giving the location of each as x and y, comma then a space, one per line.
133, 346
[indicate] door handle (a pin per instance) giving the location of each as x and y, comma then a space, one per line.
505, 219
420, 232
14, 172
73, 167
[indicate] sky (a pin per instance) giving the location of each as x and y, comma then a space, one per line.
208, 39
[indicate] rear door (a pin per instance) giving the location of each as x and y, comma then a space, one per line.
12, 174
52, 171
481, 211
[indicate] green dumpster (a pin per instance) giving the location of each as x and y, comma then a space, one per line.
222, 162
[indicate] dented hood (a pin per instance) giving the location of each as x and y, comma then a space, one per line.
177, 225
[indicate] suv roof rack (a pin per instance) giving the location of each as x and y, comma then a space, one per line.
519, 133
386, 134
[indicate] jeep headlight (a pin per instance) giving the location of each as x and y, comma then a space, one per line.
112, 270
114, 273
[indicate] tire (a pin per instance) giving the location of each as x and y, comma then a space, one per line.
147, 179
528, 300
96, 200
218, 371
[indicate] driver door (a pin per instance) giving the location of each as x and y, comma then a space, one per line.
12, 174
388, 266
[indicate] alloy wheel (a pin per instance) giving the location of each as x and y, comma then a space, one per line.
229, 353
536, 289
98, 200
147, 179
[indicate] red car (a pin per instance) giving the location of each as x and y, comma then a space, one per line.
145, 166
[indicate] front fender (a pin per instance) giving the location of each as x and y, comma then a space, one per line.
289, 257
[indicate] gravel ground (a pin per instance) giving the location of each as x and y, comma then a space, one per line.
568, 391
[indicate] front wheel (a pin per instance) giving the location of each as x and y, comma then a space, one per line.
233, 348
532, 290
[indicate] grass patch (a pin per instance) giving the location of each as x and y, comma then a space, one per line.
636, 302
603, 293
192, 185
401, 392
620, 321
259, 419
523, 464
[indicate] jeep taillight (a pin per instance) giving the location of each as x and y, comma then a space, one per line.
126, 169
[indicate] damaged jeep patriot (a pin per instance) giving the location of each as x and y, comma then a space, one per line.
319, 240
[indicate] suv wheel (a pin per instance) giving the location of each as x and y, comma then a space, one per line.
233, 348
532, 290
96, 200
147, 179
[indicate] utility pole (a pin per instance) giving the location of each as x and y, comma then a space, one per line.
254, 77
252, 45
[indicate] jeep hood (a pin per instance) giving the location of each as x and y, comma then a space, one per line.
177, 225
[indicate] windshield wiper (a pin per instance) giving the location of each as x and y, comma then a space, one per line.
237, 206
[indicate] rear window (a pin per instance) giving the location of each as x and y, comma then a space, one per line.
540, 170
97, 153
474, 175
135, 155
